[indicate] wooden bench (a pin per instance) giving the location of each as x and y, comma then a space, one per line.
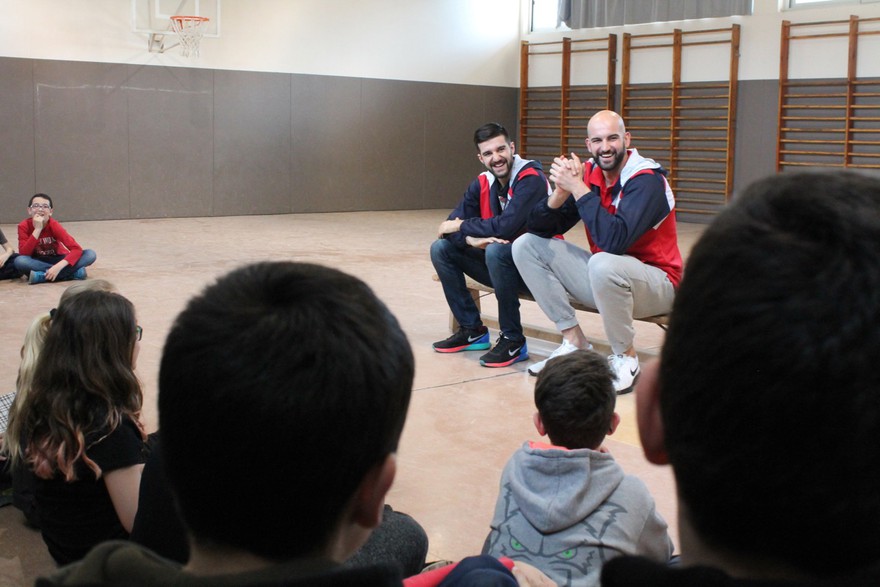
477, 290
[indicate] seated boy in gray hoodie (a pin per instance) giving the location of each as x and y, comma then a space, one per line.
568, 507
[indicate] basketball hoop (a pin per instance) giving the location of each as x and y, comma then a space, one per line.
190, 30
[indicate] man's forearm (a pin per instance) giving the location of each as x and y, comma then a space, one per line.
557, 198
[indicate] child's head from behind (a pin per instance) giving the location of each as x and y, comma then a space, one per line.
575, 398
35, 335
34, 339
88, 285
84, 380
312, 422
91, 345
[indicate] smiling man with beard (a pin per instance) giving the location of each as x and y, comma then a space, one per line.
633, 266
476, 240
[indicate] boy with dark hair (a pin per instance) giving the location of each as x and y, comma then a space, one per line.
772, 432
568, 507
47, 252
279, 453
475, 240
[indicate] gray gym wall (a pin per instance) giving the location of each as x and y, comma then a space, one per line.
117, 141
757, 110
113, 141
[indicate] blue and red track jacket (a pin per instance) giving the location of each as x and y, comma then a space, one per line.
481, 210
633, 217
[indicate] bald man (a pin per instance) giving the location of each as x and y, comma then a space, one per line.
633, 266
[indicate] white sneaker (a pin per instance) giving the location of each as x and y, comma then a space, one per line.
625, 370
563, 349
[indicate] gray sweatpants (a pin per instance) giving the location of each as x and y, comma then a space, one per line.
620, 287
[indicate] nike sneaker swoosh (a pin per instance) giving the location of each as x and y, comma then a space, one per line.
514, 351
473, 338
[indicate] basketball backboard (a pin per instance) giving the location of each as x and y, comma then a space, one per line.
152, 17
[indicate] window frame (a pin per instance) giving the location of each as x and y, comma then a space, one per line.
562, 27
804, 4
555, 28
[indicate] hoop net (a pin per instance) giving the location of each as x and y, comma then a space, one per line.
190, 30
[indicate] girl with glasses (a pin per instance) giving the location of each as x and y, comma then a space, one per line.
79, 426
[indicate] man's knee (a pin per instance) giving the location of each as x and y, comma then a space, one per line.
440, 250
605, 267
522, 248
499, 255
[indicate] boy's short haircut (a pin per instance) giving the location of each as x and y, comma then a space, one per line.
45, 196
769, 382
280, 387
575, 397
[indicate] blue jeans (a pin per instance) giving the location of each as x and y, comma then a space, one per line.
27, 264
493, 267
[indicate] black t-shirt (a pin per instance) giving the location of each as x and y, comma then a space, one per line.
75, 516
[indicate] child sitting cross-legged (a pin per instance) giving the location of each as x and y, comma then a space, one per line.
47, 252
567, 507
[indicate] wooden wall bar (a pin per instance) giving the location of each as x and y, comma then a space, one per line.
553, 118
689, 127
828, 122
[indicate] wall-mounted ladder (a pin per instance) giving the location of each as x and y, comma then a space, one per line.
688, 127
828, 122
553, 118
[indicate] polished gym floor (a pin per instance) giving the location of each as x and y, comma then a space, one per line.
464, 421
